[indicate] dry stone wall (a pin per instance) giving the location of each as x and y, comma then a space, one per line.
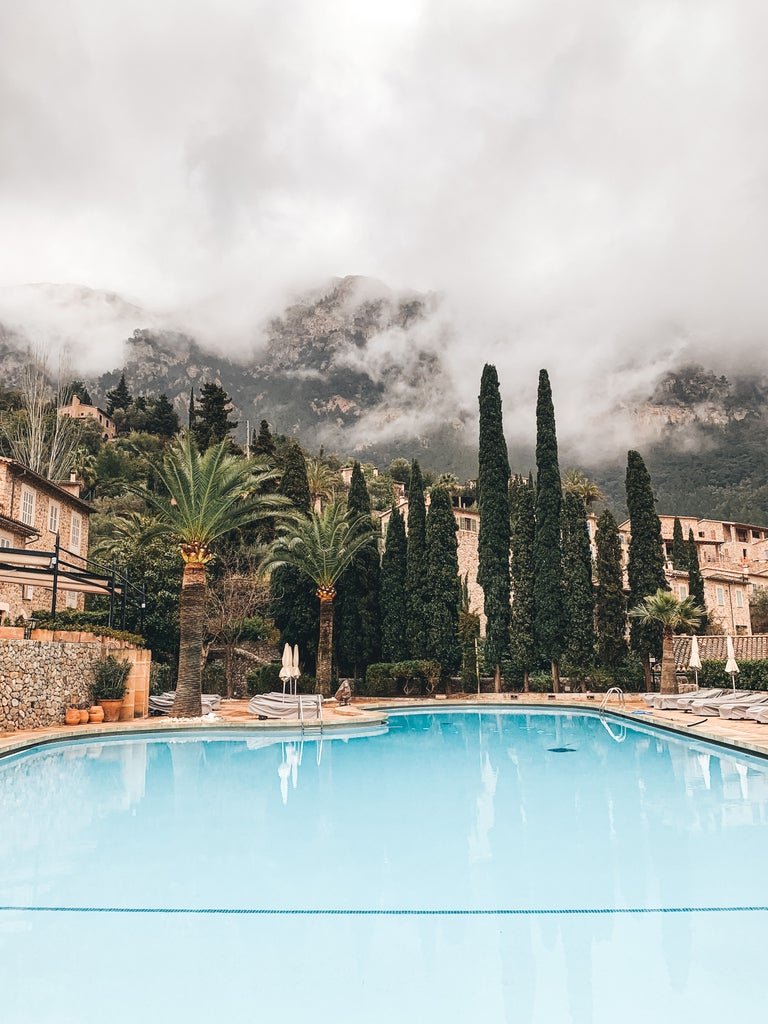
39, 680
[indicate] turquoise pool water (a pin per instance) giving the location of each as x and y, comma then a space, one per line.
456, 866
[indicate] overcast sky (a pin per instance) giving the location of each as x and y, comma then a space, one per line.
585, 182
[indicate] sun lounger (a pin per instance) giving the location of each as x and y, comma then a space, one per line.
162, 703
303, 706
679, 701
757, 713
711, 707
739, 709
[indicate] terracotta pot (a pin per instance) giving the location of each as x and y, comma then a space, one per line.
96, 713
111, 710
83, 717
72, 716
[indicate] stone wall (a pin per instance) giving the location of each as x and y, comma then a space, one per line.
40, 679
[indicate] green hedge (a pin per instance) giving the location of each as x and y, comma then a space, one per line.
398, 678
753, 675
266, 679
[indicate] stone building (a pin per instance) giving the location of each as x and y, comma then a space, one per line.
33, 511
78, 411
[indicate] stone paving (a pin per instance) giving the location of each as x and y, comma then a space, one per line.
234, 714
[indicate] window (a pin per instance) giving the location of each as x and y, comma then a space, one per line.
739, 599
720, 596
5, 542
71, 599
75, 532
28, 592
683, 591
27, 506
468, 524
53, 517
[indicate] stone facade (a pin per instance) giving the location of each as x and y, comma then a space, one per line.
78, 411
32, 511
41, 678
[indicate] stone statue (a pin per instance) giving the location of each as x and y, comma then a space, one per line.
344, 692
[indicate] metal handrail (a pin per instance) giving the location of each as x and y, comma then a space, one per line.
614, 689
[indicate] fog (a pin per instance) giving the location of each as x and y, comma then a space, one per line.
582, 186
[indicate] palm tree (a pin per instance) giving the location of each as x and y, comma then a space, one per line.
205, 497
578, 483
322, 546
323, 482
665, 610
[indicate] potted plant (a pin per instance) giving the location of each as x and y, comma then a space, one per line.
109, 684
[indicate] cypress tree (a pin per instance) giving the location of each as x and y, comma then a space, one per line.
695, 579
358, 638
610, 604
550, 620
191, 413
293, 597
469, 634
119, 397
211, 423
263, 446
394, 641
494, 535
679, 548
416, 563
645, 568
522, 533
443, 585
577, 588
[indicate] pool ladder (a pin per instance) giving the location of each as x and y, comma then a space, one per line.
617, 691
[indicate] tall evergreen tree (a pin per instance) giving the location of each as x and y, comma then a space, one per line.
119, 397
358, 636
610, 603
293, 598
696, 580
577, 587
443, 585
263, 446
162, 418
416, 564
645, 568
191, 410
394, 640
494, 535
469, 634
522, 535
550, 620
212, 423
679, 548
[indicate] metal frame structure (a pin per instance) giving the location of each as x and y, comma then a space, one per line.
62, 568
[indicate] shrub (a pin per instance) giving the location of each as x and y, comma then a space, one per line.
214, 678
753, 675
395, 678
162, 678
110, 675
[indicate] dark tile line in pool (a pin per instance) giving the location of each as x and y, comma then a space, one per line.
402, 912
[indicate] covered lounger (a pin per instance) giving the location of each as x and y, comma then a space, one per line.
680, 701
757, 713
162, 703
304, 706
737, 709
711, 707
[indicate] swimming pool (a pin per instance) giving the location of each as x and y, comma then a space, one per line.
503, 865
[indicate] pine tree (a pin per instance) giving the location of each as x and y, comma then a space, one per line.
645, 568
577, 588
610, 603
679, 549
443, 585
119, 397
212, 424
162, 418
493, 537
358, 637
695, 579
263, 446
394, 640
522, 534
550, 620
78, 388
293, 598
416, 563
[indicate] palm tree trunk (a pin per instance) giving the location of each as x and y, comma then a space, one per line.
645, 658
325, 646
194, 590
526, 681
668, 675
555, 677
497, 680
